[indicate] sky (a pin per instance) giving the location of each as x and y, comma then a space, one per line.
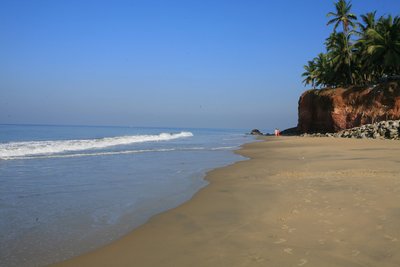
203, 64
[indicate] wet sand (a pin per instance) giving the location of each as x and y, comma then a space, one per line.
296, 202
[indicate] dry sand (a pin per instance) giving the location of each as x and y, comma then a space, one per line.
297, 202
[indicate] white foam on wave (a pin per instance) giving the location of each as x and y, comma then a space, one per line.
14, 150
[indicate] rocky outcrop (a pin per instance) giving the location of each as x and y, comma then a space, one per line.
256, 132
336, 109
291, 132
379, 130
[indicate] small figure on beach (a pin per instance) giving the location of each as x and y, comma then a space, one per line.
277, 132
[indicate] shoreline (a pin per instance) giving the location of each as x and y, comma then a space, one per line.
61, 205
296, 201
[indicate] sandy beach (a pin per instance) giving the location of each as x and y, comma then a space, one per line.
296, 202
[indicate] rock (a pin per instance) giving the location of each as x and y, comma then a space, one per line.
336, 109
256, 132
381, 130
376, 135
290, 131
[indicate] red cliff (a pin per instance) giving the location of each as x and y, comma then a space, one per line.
332, 110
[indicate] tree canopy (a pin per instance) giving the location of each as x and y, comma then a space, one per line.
362, 53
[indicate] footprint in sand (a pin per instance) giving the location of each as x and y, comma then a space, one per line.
255, 257
282, 219
295, 211
391, 238
383, 217
288, 250
302, 262
325, 222
285, 227
280, 241
355, 253
342, 240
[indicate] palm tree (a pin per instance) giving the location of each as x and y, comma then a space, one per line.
310, 73
342, 16
383, 45
324, 73
347, 61
369, 22
365, 72
317, 71
340, 52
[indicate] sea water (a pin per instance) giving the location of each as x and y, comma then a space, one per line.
66, 190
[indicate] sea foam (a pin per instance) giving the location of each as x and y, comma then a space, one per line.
15, 150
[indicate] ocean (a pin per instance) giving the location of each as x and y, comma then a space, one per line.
66, 190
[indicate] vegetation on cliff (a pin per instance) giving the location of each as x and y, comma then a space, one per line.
362, 53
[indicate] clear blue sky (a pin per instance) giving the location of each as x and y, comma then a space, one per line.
234, 64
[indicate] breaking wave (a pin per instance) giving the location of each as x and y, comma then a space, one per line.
25, 149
